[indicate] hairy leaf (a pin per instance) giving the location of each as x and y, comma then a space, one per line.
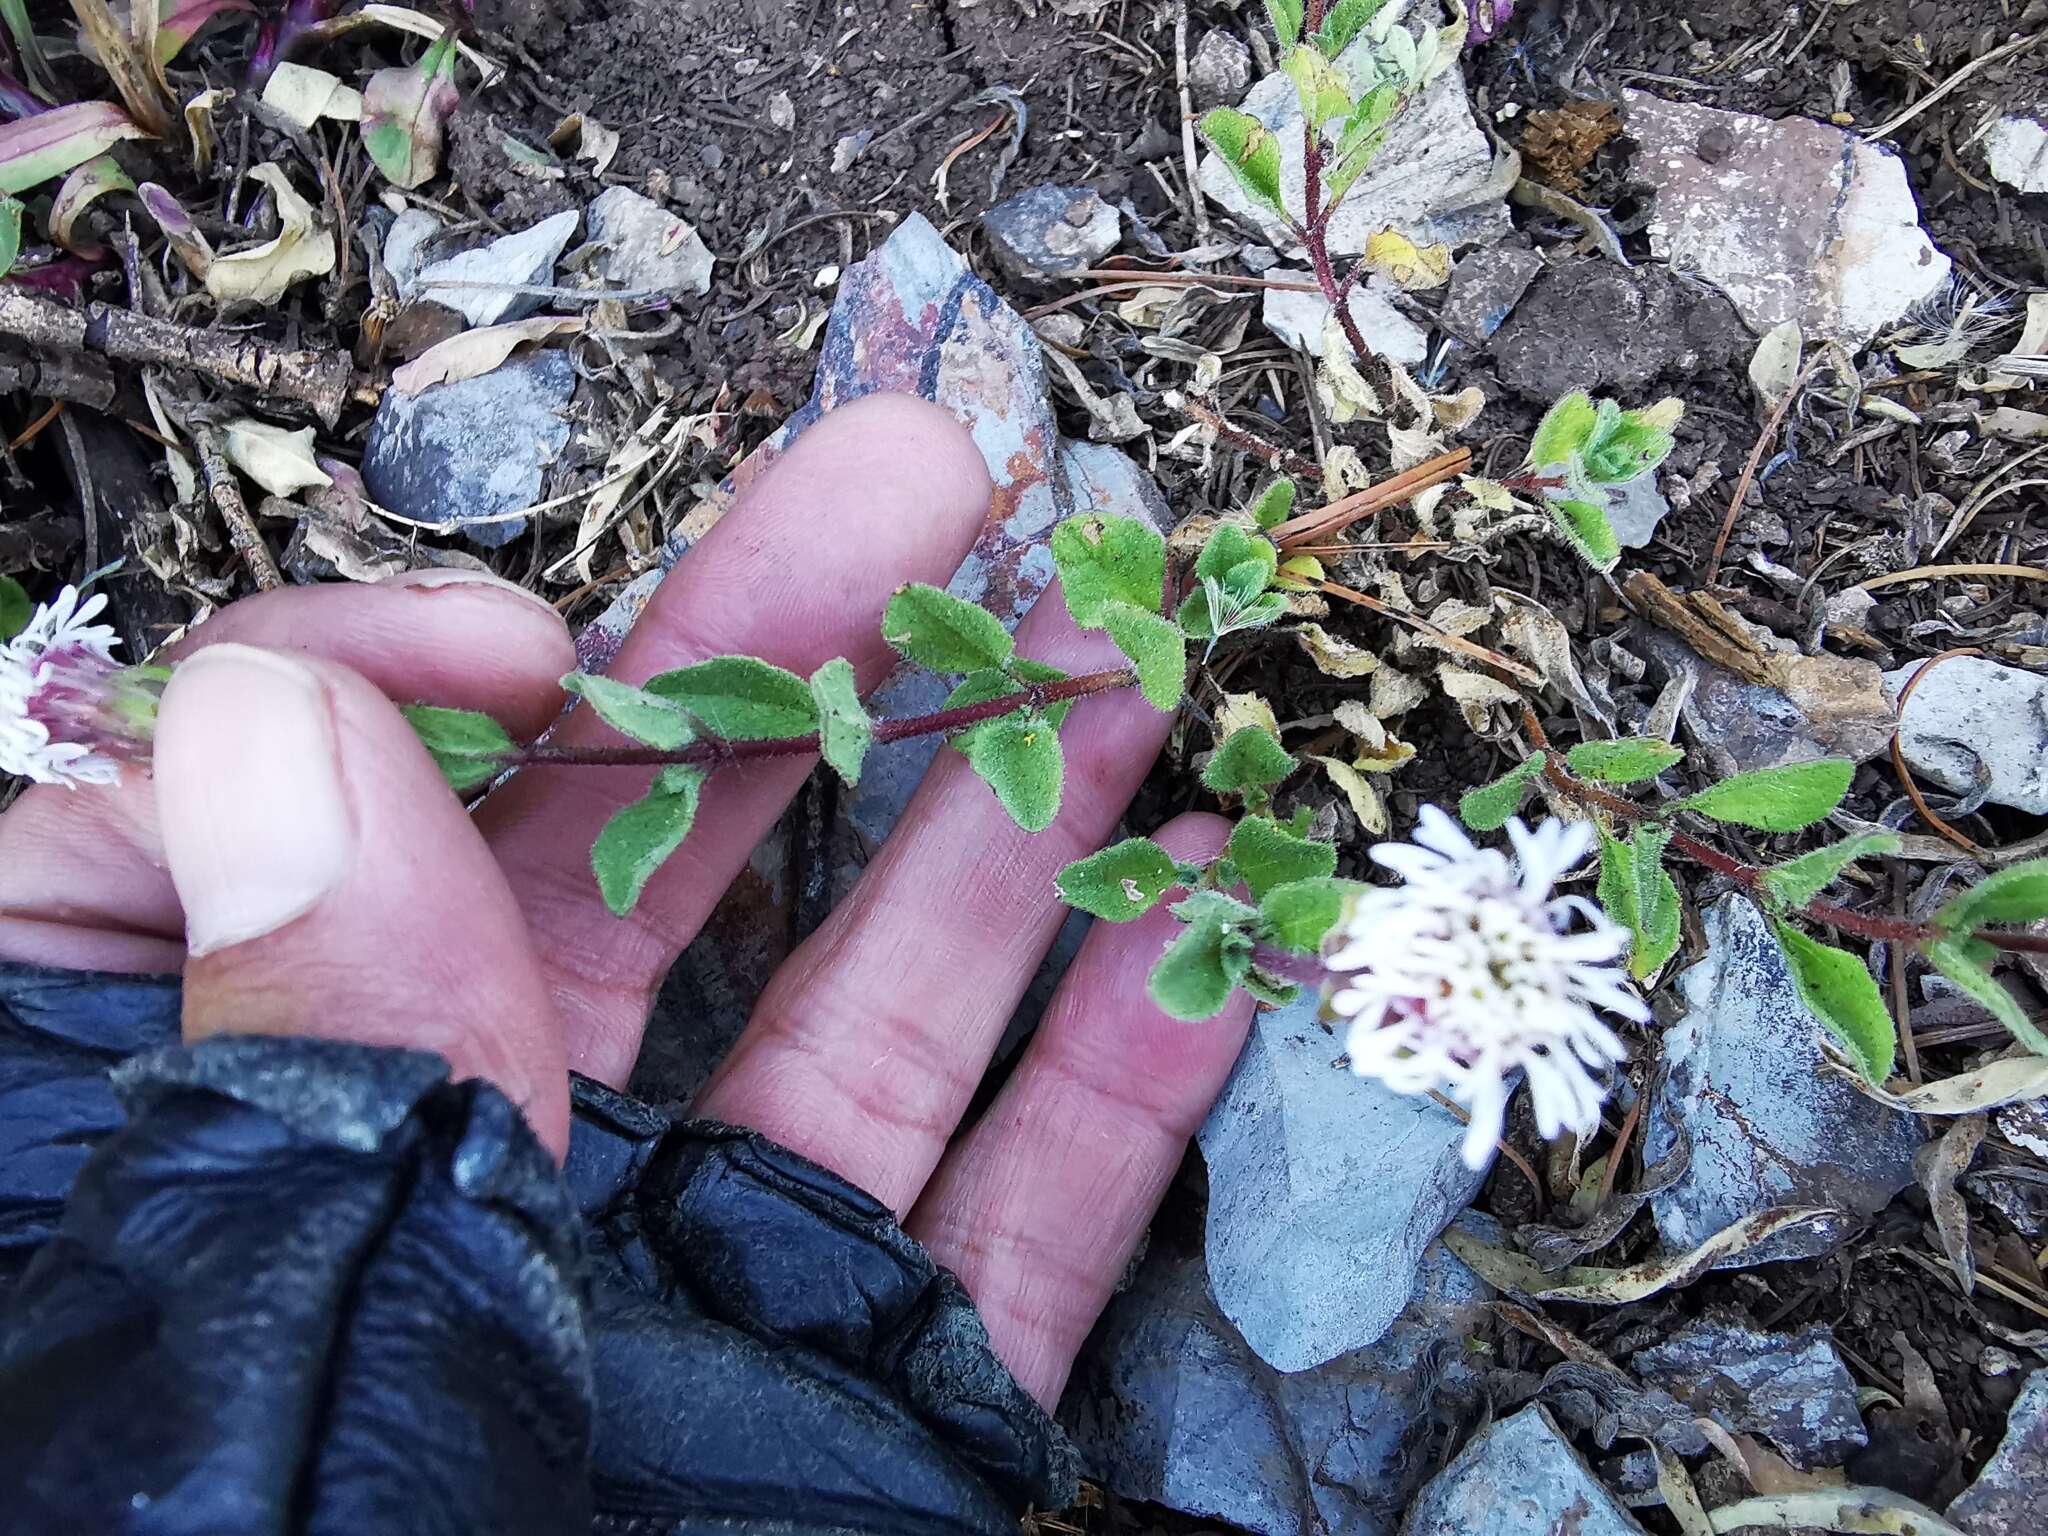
740, 698
1250, 758
1156, 648
1966, 963
1782, 799
1250, 150
1587, 529
844, 730
1565, 430
639, 838
1022, 762
1274, 505
1487, 808
1198, 972
1285, 15
1837, 989
1230, 548
985, 683
467, 746
1269, 855
634, 712
1622, 762
1625, 446
1299, 914
2015, 895
1317, 84
1638, 893
1121, 882
1104, 559
946, 633
1797, 881
1344, 21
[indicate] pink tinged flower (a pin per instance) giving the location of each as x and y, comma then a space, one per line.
62, 697
1472, 970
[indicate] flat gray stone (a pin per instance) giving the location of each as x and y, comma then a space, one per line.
1219, 70
473, 449
2011, 1493
1435, 179
1169, 1404
1485, 287
1792, 219
647, 247
1518, 1478
1790, 1388
2016, 152
1973, 719
525, 258
1771, 1123
1325, 1190
1049, 231
1299, 319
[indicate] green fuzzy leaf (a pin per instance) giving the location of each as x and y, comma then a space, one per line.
740, 698
1344, 21
1487, 808
1155, 646
998, 682
1299, 914
1251, 151
1231, 547
1565, 430
1198, 972
948, 634
1361, 138
1965, 962
1797, 881
1121, 882
1203, 906
467, 746
1622, 762
1103, 559
1269, 855
635, 712
1637, 892
2015, 895
1269, 989
1021, 760
15, 608
1625, 449
640, 837
1285, 15
1586, 528
1317, 84
1837, 989
1250, 758
844, 730
1782, 799
1274, 505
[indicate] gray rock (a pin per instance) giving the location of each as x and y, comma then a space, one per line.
1435, 179
409, 232
2016, 152
2012, 1491
526, 258
1588, 324
1790, 1388
647, 246
1219, 70
1298, 319
1770, 1122
1051, 230
1324, 1191
1521, 1477
1485, 287
1793, 219
1636, 511
1828, 706
1975, 721
1169, 1404
472, 449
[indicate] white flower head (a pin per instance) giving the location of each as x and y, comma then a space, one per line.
1472, 970
52, 680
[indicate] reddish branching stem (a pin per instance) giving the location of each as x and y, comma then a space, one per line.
1748, 877
714, 752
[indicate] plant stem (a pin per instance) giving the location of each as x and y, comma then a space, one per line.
1304, 970
717, 750
1748, 877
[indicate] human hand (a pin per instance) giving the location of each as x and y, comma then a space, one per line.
300, 860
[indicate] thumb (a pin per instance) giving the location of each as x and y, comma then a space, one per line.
333, 887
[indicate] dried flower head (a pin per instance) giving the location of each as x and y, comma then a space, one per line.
58, 709
1472, 970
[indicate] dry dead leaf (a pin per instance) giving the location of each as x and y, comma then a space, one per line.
1415, 267
1335, 657
585, 138
468, 354
279, 461
264, 272
303, 95
1365, 800
1242, 709
1395, 692
1774, 366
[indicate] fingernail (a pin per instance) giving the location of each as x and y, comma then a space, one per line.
435, 580
256, 825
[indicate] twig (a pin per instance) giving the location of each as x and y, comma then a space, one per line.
227, 498
1930, 572
1899, 757
1187, 120
1756, 457
1444, 637
718, 750
1328, 521
1982, 61
1285, 460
